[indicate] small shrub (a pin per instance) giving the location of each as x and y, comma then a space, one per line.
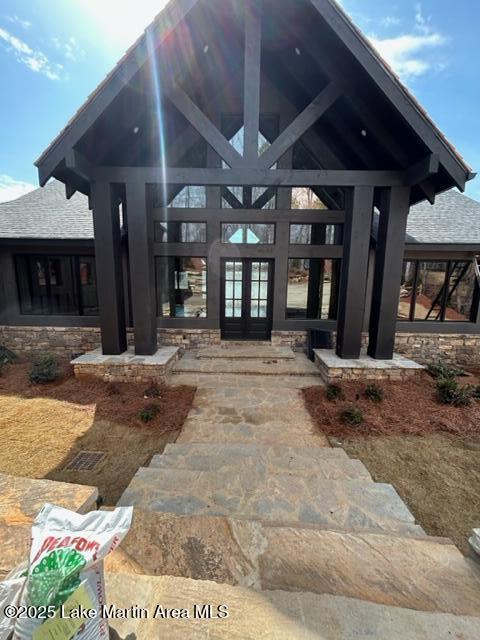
7, 356
442, 372
374, 393
148, 413
45, 369
450, 392
334, 392
152, 391
476, 392
352, 416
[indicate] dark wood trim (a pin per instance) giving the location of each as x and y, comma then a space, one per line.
108, 259
438, 328
353, 279
296, 216
423, 170
415, 249
326, 251
394, 208
251, 177
205, 128
324, 100
251, 84
142, 269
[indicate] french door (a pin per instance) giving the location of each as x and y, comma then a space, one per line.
247, 299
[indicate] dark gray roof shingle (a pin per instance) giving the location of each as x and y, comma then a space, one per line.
45, 213
453, 219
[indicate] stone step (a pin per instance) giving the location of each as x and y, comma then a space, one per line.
333, 469
201, 432
242, 352
337, 503
240, 381
271, 615
299, 366
274, 453
427, 574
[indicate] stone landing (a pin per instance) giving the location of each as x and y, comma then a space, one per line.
127, 367
335, 369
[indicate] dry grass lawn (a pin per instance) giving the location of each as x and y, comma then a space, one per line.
428, 451
42, 427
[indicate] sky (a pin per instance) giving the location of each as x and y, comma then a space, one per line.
53, 53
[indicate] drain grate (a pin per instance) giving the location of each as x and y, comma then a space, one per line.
85, 461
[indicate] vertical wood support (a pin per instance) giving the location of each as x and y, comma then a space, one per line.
142, 269
251, 85
394, 208
108, 261
353, 279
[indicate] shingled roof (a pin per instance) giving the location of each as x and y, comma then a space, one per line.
453, 219
46, 214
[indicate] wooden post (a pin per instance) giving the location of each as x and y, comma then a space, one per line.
394, 208
142, 271
353, 279
108, 260
251, 85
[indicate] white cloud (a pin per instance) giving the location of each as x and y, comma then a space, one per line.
25, 24
406, 54
390, 21
10, 189
70, 49
33, 59
409, 54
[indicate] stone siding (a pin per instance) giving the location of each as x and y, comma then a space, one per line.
459, 349
67, 342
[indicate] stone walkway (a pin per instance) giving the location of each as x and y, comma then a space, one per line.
251, 504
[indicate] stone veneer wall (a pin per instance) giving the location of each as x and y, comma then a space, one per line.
454, 348
460, 349
69, 341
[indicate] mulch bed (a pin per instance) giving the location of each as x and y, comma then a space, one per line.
117, 402
408, 408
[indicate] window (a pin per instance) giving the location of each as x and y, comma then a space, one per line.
437, 291
190, 197
233, 289
312, 291
248, 233
306, 198
181, 287
316, 234
180, 232
248, 197
57, 285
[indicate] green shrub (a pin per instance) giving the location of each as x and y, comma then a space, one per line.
45, 369
148, 413
7, 356
334, 392
476, 392
450, 392
352, 416
374, 393
152, 391
441, 371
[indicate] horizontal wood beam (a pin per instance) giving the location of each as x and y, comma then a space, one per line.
204, 126
422, 170
296, 216
252, 177
300, 125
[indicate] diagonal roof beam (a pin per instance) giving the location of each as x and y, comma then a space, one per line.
392, 88
205, 127
300, 125
165, 23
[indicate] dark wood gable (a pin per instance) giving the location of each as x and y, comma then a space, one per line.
333, 116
